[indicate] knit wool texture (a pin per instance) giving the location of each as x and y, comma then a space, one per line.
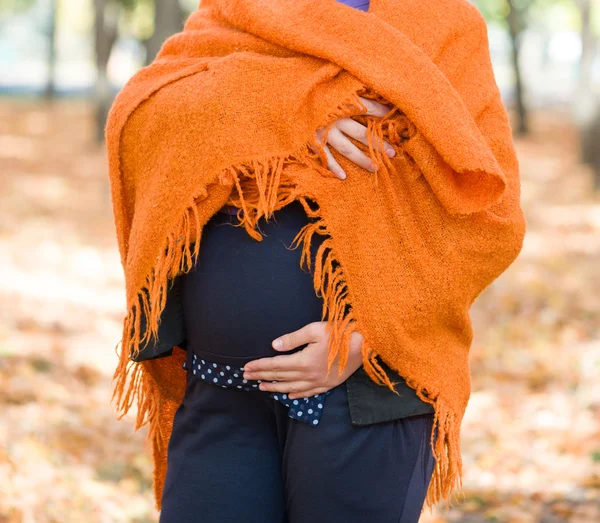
227, 113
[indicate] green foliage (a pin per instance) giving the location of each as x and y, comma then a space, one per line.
7, 6
139, 18
553, 14
493, 10
129, 5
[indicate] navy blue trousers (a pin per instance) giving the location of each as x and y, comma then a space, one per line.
235, 456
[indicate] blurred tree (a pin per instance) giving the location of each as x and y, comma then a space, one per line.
16, 5
513, 15
50, 90
585, 100
106, 18
587, 44
49, 30
587, 109
590, 146
516, 19
168, 19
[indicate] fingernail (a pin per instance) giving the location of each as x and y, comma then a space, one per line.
277, 343
372, 167
390, 152
341, 174
247, 375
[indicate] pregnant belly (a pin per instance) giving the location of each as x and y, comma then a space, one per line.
242, 294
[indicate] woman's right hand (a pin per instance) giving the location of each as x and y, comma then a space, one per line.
347, 126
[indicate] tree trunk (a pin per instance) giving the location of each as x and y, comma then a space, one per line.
586, 107
106, 14
590, 151
514, 19
168, 20
585, 100
50, 90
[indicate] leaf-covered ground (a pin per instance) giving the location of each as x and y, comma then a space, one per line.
531, 435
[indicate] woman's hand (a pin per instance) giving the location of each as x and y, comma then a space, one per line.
304, 373
347, 126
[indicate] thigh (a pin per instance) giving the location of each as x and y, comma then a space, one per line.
224, 461
337, 471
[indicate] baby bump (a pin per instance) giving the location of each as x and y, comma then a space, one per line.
242, 294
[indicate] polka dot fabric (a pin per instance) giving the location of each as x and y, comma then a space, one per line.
307, 410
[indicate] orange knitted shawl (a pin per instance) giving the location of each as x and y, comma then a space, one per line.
227, 113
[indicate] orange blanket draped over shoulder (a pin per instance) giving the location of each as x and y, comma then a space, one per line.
227, 113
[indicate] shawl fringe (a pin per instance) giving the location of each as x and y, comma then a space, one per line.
273, 189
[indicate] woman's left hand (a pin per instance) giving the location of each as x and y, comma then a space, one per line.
304, 373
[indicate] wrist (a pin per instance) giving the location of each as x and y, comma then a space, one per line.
355, 352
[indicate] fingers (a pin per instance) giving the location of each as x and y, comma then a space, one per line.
274, 374
374, 107
342, 144
332, 164
337, 139
285, 363
310, 332
289, 387
359, 132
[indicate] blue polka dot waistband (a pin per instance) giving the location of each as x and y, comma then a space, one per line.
307, 410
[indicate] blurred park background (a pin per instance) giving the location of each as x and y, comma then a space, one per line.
531, 435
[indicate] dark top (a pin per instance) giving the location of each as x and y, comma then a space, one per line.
214, 311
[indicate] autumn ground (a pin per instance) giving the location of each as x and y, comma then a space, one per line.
531, 435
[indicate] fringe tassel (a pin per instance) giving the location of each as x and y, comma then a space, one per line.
445, 445
262, 187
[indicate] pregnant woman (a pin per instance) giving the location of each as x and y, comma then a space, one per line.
254, 457
320, 384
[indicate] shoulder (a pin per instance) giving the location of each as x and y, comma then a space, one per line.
437, 23
463, 12
456, 13
460, 21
